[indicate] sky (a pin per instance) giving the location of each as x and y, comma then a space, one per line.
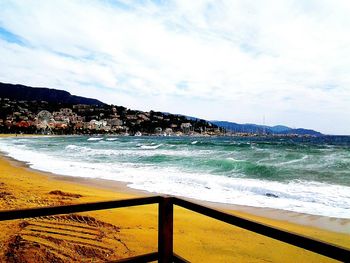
265, 62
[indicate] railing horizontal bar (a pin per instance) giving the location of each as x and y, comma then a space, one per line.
179, 259
67, 209
320, 247
138, 259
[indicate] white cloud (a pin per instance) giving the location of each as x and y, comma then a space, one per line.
233, 60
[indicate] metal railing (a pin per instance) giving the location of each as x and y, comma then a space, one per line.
166, 204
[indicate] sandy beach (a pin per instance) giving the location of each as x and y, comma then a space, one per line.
120, 233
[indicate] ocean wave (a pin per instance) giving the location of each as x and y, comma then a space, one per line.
95, 139
72, 147
304, 197
230, 166
150, 147
292, 161
79, 150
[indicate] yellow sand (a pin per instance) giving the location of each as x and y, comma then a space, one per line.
196, 237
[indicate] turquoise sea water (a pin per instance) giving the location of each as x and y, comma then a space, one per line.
309, 175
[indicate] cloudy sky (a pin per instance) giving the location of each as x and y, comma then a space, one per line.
243, 61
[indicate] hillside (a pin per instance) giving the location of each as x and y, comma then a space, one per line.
261, 129
57, 98
21, 92
63, 113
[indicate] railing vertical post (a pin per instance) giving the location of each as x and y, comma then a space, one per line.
165, 230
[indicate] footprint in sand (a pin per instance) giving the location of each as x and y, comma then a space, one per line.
66, 238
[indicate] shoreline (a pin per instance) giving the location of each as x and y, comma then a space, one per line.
196, 237
340, 225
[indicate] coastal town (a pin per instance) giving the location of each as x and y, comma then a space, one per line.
42, 117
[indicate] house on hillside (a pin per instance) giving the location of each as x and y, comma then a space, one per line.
168, 131
186, 127
158, 130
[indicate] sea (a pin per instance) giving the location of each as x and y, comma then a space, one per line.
306, 175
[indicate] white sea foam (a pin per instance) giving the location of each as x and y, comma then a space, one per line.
293, 161
111, 139
134, 153
233, 159
300, 196
95, 139
150, 147
72, 147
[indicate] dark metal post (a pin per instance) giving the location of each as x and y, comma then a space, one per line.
165, 230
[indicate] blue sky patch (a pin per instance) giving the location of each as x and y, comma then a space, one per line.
182, 85
10, 37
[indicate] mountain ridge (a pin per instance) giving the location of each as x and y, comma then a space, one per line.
264, 129
22, 92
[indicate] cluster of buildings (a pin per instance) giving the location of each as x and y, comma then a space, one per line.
43, 117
